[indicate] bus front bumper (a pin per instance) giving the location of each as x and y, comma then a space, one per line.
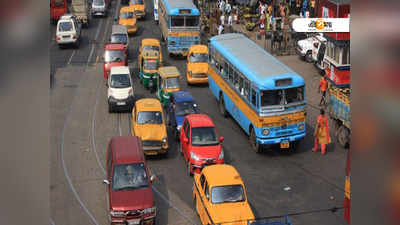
272, 141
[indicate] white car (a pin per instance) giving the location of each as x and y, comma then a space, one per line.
68, 30
99, 8
306, 46
120, 90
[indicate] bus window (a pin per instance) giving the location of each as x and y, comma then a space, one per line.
294, 95
230, 74
225, 70
246, 88
241, 89
272, 97
192, 21
254, 98
236, 80
177, 21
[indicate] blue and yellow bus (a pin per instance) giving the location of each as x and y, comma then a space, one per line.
179, 22
265, 97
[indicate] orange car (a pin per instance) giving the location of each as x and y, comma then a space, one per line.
220, 196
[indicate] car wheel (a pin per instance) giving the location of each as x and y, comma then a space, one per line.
253, 141
110, 109
308, 57
221, 105
189, 169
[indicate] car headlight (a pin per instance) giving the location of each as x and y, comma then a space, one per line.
151, 210
301, 127
194, 156
117, 213
179, 127
221, 155
265, 132
164, 140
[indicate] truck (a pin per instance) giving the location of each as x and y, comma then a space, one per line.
339, 111
80, 8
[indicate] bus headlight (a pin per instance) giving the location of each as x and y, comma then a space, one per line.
301, 127
164, 140
265, 132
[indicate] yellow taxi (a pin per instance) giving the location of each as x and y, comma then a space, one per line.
197, 64
127, 18
140, 7
220, 196
148, 123
150, 44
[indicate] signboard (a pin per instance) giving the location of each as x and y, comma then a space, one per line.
185, 11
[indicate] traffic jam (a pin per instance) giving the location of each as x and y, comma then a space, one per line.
177, 128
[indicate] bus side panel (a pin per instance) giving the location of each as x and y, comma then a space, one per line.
163, 22
212, 85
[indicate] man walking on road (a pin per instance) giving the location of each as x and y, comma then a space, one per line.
321, 133
323, 85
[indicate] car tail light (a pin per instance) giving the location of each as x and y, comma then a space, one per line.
58, 38
74, 37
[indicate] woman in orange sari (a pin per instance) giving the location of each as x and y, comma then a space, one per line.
321, 133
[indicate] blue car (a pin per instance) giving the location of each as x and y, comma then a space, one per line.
180, 104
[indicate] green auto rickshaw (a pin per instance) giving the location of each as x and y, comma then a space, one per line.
167, 82
148, 67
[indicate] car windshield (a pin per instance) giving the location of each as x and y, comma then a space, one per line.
229, 193
114, 56
65, 26
204, 136
171, 83
185, 108
98, 2
282, 97
120, 81
149, 117
198, 57
119, 38
148, 47
133, 2
127, 15
129, 176
150, 64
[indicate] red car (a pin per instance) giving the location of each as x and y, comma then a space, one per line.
114, 55
199, 143
129, 185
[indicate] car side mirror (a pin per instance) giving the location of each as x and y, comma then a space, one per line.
186, 140
153, 178
106, 182
221, 139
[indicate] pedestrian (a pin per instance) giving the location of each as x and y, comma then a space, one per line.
222, 6
222, 18
220, 29
321, 133
228, 8
323, 85
263, 9
230, 20
312, 8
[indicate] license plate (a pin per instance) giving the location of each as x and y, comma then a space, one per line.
121, 103
285, 145
133, 222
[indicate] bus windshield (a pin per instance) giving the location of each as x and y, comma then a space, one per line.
282, 97
137, 2
184, 21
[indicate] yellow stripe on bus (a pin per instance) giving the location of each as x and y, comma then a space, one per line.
347, 187
184, 34
255, 119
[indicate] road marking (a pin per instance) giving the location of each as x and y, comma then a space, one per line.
70, 58
93, 129
119, 124
95, 39
52, 222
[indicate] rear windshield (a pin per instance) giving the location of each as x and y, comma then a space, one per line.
98, 2
120, 81
65, 26
133, 2
171, 83
58, 3
148, 47
198, 57
149, 117
229, 193
185, 108
127, 15
114, 56
119, 38
150, 64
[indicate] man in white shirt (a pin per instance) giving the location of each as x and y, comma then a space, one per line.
230, 18
220, 29
223, 19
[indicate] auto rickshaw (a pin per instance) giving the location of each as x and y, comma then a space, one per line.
151, 44
148, 67
167, 82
